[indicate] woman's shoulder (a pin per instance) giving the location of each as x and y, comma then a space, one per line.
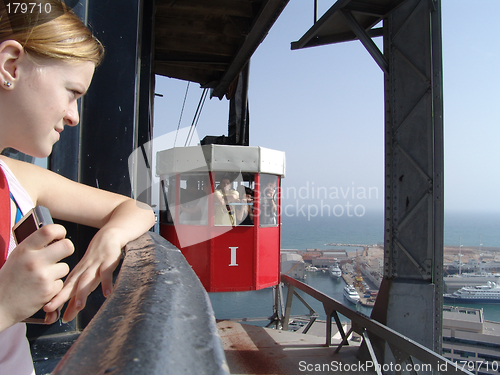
9, 163
4, 158
21, 169
30, 176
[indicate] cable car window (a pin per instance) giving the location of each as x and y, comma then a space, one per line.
167, 200
194, 190
233, 199
269, 192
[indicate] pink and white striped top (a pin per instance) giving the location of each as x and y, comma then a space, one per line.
15, 355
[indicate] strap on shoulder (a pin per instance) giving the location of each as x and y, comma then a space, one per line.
4, 217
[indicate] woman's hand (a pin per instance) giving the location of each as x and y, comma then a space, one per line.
126, 223
96, 266
32, 274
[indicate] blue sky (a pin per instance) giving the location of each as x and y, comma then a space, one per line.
323, 106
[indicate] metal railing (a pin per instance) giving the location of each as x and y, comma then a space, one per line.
158, 320
404, 350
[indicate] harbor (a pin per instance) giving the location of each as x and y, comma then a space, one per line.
255, 307
258, 304
361, 266
360, 269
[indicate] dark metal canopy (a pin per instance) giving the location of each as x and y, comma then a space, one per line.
209, 42
348, 20
340, 22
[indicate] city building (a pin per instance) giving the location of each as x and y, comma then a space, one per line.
471, 341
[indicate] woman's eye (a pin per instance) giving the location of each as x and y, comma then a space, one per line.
75, 93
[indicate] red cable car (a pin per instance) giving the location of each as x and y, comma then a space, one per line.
220, 205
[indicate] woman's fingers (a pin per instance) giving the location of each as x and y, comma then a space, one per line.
45, 236
51, 317
67, 291
79, 300
77, 288
97, 266
106, 273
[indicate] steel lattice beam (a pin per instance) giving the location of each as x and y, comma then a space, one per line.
414, 172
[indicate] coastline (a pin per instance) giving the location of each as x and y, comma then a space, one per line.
468, 229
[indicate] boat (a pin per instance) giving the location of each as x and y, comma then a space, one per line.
351, 294
335, 271
488, 293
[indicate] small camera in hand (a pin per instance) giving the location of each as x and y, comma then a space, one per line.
32, 221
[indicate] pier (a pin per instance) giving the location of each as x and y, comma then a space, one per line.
348, 245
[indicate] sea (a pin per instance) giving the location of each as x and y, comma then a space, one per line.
469, 229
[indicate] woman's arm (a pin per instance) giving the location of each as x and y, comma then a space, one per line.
120, 219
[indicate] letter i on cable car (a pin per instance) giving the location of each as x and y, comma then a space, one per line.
234, 245
44, 69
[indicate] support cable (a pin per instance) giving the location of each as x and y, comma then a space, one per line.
182, 111
196, 117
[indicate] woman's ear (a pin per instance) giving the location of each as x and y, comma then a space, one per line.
11, 52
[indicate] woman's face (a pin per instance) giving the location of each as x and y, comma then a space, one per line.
44, 100
225, 184
269, 189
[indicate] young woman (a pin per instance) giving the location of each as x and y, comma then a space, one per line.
46, 63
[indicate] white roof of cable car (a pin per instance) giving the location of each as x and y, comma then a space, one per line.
220, 158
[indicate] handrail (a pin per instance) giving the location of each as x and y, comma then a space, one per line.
403, 348
158, 320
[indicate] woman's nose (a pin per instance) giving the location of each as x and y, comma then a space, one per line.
72, 118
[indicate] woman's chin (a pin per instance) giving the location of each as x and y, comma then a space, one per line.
39, 153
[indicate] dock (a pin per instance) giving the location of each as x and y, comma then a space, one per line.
348, 245
349, 279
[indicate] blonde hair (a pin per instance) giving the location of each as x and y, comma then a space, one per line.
58, 34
